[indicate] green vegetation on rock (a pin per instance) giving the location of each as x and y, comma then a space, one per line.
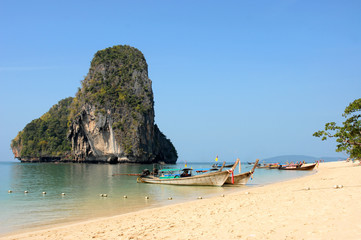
46, 136
108, 82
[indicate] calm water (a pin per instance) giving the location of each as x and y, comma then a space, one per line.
82, 185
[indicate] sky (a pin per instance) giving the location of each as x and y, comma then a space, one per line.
247, 79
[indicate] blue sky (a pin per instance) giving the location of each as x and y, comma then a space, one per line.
248, 79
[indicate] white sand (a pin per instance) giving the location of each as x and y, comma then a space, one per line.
278, 211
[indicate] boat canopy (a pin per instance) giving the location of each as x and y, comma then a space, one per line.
187, 169
170, 170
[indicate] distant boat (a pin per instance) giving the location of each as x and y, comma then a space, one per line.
217, 166
242, 178
269, 165
186, 178
302, 167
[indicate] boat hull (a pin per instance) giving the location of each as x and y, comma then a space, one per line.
207, 179
239, 179
269, 166
302, 168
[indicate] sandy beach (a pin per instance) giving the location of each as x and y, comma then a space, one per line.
305, 208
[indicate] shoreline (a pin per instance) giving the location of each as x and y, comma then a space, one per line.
93, 207
279, 210
161, 202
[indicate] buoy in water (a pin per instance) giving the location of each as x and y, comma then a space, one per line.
26, 191
125, 196
170, 198
146, 197
63, 194
10, 191
199, 197
44, 192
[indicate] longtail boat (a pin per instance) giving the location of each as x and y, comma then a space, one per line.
252, 163
269, 165
216, 166
242, 178
186, 178
302, 167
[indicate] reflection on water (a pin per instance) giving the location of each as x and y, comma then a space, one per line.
82, 185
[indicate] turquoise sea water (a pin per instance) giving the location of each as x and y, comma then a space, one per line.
82, 185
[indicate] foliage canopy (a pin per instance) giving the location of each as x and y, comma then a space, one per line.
348, 136
47, 135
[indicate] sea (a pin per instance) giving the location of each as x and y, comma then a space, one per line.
38, 195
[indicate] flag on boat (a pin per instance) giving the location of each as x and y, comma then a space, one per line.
185, 165
217, 158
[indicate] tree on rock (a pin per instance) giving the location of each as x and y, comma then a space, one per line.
348, 136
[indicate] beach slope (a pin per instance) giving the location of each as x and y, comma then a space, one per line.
305, 208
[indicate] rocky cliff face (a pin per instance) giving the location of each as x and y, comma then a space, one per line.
114, 112
111, 119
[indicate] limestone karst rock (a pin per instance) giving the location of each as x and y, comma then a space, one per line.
111, 118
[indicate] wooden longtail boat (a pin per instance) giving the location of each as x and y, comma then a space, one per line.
252, 163
206, 179
241, 178
216, 166
302, 167
269, 166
